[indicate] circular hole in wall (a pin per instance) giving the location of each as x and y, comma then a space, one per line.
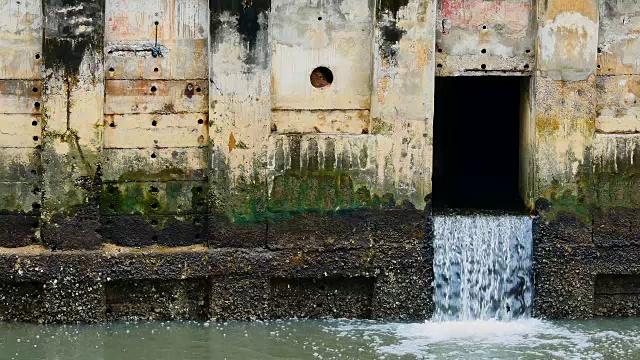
321, 77
483, 66
35, 138
200, 121
484, 51
157, 23
154, 123
35, 89
37, 56
153, 155
34, 123
111, 69
153, 88
156, 69
36, 105
527, 51
526, 66
484, 27
319, 18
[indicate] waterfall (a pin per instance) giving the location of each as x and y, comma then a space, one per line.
482, 267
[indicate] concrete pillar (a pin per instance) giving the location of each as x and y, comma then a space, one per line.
564, 114
73, 109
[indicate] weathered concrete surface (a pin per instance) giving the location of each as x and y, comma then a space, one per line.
618, 40
482, 37
203, 124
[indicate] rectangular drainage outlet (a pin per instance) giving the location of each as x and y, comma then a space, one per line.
337, 297
617, 295
158, 299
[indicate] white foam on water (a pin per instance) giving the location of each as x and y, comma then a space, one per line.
477, 339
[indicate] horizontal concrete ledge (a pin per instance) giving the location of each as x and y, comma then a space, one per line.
196, 282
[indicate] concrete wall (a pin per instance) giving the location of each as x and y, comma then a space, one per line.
193, 130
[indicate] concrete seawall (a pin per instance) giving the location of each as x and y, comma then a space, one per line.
282, 158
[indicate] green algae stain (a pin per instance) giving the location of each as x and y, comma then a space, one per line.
380, 127
131, 198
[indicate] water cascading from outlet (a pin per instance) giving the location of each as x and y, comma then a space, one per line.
482, 267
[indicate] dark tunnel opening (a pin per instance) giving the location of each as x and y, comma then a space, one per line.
477, 143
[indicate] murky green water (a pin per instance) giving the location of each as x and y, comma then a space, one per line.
341, 339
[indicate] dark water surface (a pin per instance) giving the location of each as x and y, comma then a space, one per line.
331, 339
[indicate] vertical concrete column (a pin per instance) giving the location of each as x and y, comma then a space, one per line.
73, 110
402, 121
240, 116
402, 97
20, 121
564, 113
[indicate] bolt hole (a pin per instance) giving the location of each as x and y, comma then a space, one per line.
36, 190
34, 172
37, 105
154, 189
439, 65
200, 121
198, 189
527, 51
599, 50
111, 69
154, 205
153, 88
35, 89
112, 189
35, 205
598, 66
153, 155
35, 138
483, 66
34, 123
112, 206
37, 56
154, 123
112, 124
321, 77
319, 18
157, 23
526, 66
154, 222
156, 69
484, 51
198, 89
484, 27
439, 50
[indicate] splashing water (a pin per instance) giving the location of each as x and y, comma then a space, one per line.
482, 267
